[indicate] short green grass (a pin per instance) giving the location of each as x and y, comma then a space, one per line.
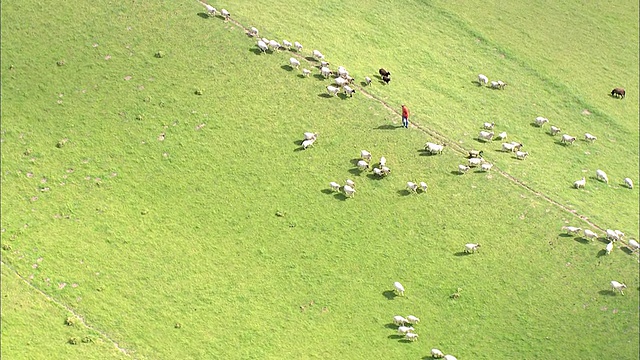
175, 245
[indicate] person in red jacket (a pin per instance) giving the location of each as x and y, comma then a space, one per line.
405, 116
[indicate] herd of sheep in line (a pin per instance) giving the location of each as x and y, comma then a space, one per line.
343, 79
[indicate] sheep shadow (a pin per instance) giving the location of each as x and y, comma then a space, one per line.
299, 149
319, 77
287, 67
395, 337
403, 340
373, 176
603, 240
391, 326
387, 127
456, 172
533, 124
363, 83
424, 152
389, 294
582, 240
462, 253
340, 196
298, 142
404, 192
354, 161
601, 253
301, 76
481, 141
607, 292
355, 171
255, 50
627, 250
203, 15
565, 235
325, 95
327, 191
343, 96
311, 59
558, 142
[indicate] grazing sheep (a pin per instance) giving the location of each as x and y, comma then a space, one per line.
298, 46
263, 46
307, 143
286, 44
210, 9
618, 92
423, 186
489, 126
471, 248
253, 31
332, 90
398, 288
334, 186
378, 172
275, 45
294, 62
567, 139
317, 54
367, 80
385, 170
485, 135
383, 72
502, 135
383, 161
342, 72
512, 146
601, 175
590, 137
365, 155
363, 165
486, 167
348, 90
634, 245
580, 183
609, 247
482, 79
522, 154
306, 72
619, 233
588, 234
348, 190
266, 41
618, 286
325, 71
612, 235
475, 154
433, 148
541, 120
400, 320
411, 336
341, 82
225, 14
403, 330
324, 64
498, 85
310, 135
450, 357
473, 162
571, 230
412, 186
350, 183
554, 130
628, 182
413, 319
437, 354
462, 169
350, 79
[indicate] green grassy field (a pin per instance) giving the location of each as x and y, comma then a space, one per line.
171, 247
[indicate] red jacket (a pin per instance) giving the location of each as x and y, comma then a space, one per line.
405, 112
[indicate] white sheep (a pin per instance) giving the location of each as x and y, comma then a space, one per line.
325, 71
601, 175
634, 245
572, 230
348, 90
486, 167
286, 44
310, 135
367, 80
400, 320
324, 64
294, 62
385, 170
567, 139
306, 72
334, 186
348, 190
365, 155
554, 130
508, 147
498, 84
398, 288
350, 183
363, 165
341, 82
225, 14
411, 336
612, 235
471, 248
502, 135
317, 54
437, 354
412, 186
618, 286
482, 79
307, 143
462, 169
342, 72
488, 125
450, 357
263, 46
253, 31
580, 183
628, 182
476, 162
485, 135
210, 9
378, 172
522, 154
403, 330
434, 148
502, 84
590, 137
265, 40
413, 319
274, 44
609, 247
588, 234
298, 46
541, 120
383, 161
619, 233
332, 90
423, 186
